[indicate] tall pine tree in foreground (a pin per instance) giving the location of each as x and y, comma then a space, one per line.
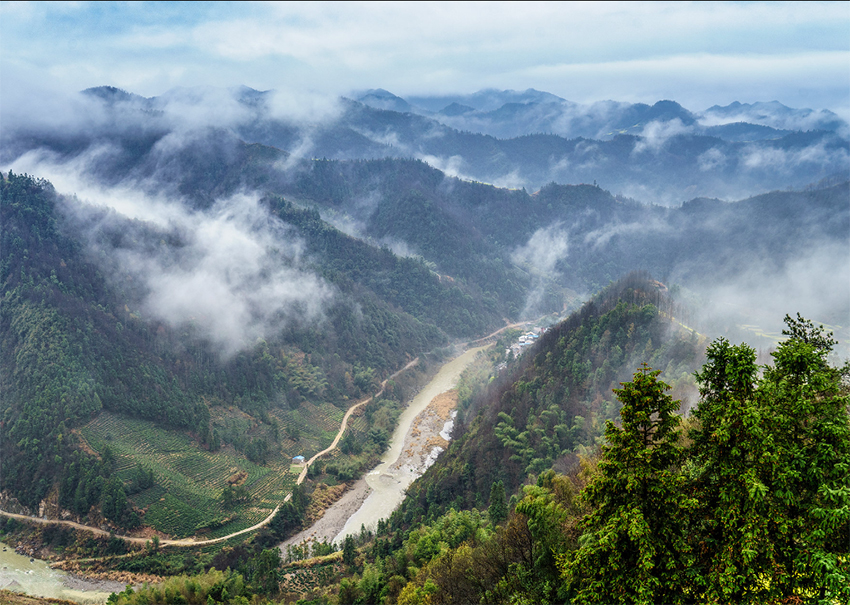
634, 547
770, 466
725, 467
809, 477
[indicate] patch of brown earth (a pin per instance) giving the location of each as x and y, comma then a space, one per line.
149, 532
424, 433
95, 576
237, 478
444, 404
436, 441
322, 498
7, 597
312, 562
84, 445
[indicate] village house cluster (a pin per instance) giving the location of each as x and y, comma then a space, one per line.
524, 341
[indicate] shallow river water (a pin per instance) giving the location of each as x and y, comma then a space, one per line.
389, 484
35, 577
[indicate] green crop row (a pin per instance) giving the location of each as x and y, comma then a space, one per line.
189, 480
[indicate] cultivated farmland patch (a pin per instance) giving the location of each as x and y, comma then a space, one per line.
188, 479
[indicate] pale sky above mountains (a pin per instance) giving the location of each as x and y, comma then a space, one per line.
699, 54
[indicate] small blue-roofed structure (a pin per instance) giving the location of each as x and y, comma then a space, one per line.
298, 460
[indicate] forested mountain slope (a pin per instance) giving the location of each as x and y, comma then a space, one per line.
78, 338
713, 507
580, 234
550, 405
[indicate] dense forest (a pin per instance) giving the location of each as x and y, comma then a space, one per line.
744, 501
75, 343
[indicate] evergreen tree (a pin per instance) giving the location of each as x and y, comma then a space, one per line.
498, 505
264, 571
113, 500
727, 445
770, 465
808, 477
634, 547
349, 552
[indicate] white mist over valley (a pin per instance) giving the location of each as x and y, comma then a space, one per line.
348, 303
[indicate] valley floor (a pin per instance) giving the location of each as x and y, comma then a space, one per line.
334, 518
423, 441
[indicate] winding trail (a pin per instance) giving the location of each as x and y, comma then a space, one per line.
344, 425
135, 540
484, 339
191, 541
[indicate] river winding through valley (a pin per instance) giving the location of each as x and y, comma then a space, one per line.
374, 498
389, 480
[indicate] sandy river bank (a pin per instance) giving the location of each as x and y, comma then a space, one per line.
326, 528
422, 433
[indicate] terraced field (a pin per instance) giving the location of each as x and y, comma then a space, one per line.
358, 424
318, 424
189, 480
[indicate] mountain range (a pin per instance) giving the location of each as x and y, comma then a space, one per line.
661, 153
196, 286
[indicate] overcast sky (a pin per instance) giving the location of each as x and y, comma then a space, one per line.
699, 54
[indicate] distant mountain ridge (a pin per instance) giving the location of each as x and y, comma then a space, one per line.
488, 99
538, 111
776, 115
661, 153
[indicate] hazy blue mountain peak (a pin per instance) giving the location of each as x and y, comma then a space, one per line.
378, 98
455, 109
111, 94
488, 99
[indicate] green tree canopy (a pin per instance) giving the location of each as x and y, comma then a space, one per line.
634, 548
498, 505
770, 466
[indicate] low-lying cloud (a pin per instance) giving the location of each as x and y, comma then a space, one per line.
236, 278
754, 302
657, 133
601, 237
773, 115
540, 255
232, 272
818, 156
543, 249
451, 166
